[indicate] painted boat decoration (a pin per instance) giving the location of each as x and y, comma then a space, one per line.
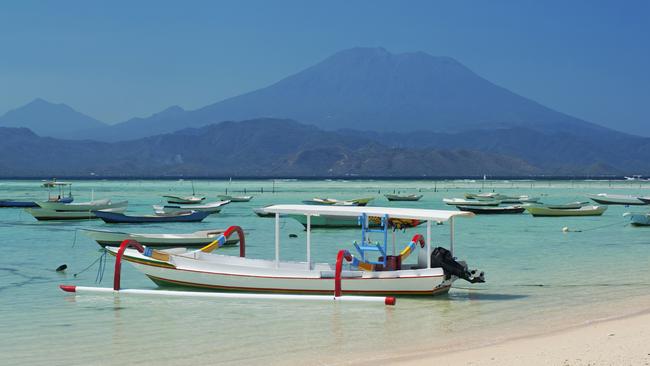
43, 214
212, 208
197, 239
371, 271
463, 202
403, 197
616, 199
638, 219
334, 202
120, 218
491, 210
225, 197
183, 200
582, 211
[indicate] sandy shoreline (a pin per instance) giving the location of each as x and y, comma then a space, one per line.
618, 341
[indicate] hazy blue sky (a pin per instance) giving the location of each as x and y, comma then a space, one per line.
117, 59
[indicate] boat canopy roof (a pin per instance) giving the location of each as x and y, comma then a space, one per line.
394, 212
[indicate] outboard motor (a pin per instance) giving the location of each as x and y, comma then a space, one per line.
441, 257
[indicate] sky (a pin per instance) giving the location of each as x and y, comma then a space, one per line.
114, 60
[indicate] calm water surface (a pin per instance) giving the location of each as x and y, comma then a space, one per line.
538, 279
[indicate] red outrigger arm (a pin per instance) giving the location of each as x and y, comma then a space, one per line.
389, 300
118, 260
240, 234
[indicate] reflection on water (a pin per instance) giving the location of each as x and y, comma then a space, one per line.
537, 277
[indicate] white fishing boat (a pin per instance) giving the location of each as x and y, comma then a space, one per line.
616, 199
403, 197
582, 211
261, 212
371, 271
183, 200
226, 197
559, 206
335, 202
471, 202
638, 219
196, 239
43, 214
212, 207
95, 205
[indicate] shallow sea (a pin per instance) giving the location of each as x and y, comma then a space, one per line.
538, 279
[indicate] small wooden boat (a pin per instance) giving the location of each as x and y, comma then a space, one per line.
463, 202
120, 218
489, 196
334, 202
638, 219
212, 208
645, 199
43, 214
225, 197
493, 210
616, 199
95, 205
370, 272
183, 200
60, 198
196, 239
403, 197
261, 212
561, 206
518, 199
582, 211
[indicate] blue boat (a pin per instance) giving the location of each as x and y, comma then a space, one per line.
120, 218
12, 203
61, 197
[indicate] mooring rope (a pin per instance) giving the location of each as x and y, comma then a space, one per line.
567, 230
91, 264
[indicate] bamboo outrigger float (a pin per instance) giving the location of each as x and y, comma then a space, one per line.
352, 274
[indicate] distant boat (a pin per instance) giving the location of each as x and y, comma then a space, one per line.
183, 200
196, 239
463, 202
120, 218
43, 214
492, 196
335, 202
261, 212
616, 199
340, 222
83, 206
638, 219
582, 211
561, 206
212, 208
645, 199
403, 197
492, 210
61, 197
226, 197
634, 178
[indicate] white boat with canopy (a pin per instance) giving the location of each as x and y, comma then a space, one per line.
370, 271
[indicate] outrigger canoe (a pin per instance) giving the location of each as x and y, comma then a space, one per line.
369, 271
403, 197
120, 218
616, 199
197, 239
212, 208
492, 210
582, 211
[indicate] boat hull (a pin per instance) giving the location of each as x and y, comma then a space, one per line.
263, 277
197, 239
42, 214
616, 200
83, 206
492, 210
119, 218
395, 197
639, 219
583, 211
25, 204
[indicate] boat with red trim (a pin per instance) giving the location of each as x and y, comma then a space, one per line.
372, 270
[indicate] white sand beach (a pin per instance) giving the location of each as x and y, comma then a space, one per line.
621, 341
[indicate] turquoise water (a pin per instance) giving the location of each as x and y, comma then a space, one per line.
538, 279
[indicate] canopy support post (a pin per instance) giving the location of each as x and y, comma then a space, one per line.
309, 242
451, 235
277, 240
428, 243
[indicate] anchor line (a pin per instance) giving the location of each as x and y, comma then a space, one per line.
91, 264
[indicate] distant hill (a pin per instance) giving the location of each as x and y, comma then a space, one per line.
373, 89
49, 119
262, 147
